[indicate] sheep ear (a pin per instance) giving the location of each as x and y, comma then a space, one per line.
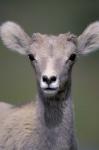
88, 41
14, 37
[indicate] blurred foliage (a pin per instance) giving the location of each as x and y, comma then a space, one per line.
17, 83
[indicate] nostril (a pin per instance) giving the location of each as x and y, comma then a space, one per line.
45, 79
53, 79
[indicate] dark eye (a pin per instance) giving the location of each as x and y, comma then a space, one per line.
72, 57
31, 57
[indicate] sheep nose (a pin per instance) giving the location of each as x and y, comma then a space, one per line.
49, 80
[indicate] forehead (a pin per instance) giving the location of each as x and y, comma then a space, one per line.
53, 46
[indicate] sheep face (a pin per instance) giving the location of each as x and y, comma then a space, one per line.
52, 58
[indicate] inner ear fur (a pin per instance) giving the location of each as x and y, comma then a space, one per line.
14, 37
88, 41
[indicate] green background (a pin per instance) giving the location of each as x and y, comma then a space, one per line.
17, 82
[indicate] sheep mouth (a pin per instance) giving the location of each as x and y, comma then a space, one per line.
50, 91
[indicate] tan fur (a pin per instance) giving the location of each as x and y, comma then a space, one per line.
24, 122
58, 44
5, 109
48, 124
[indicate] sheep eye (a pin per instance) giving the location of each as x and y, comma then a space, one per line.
31, 57
72, 57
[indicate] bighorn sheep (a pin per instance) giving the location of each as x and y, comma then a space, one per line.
47, 124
